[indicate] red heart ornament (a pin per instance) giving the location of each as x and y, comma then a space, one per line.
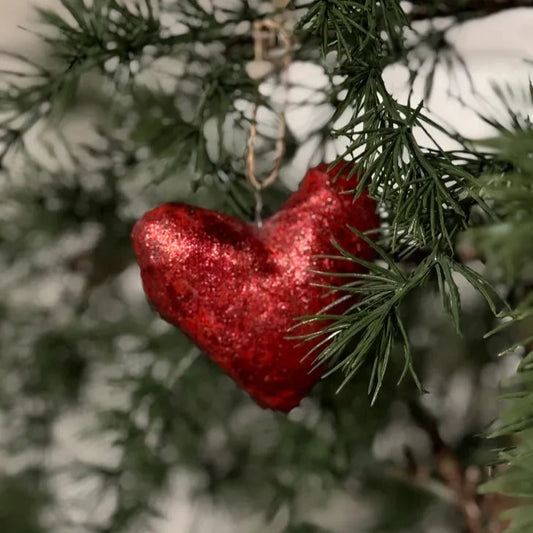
236, 289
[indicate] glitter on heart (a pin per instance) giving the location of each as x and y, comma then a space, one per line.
236, 289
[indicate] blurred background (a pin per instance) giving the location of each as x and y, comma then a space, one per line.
79, 339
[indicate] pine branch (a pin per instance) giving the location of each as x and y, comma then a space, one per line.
426, 193
372, 327
514, 479
421, 187
512, 198
503, 245
208, 90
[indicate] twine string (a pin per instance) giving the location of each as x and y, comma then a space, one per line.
266, 33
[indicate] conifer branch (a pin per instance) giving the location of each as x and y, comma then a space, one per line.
425, 192
512, 198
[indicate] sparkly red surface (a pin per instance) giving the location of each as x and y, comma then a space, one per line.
236, 289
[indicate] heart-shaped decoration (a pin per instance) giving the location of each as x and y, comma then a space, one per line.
236, 289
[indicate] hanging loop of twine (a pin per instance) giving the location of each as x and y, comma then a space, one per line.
250, 154
266, 32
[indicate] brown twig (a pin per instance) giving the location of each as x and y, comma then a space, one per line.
423, 10
462, 482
